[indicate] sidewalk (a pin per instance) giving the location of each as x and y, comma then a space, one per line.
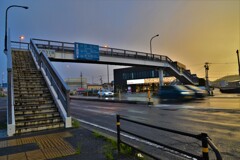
60, 144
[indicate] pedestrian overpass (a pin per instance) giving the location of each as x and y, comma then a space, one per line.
38, 98
64, 52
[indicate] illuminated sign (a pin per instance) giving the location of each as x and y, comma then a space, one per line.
86, 51
135, 81
150, 80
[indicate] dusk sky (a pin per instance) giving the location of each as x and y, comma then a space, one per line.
190, 31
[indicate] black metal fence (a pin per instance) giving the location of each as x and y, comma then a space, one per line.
203, 138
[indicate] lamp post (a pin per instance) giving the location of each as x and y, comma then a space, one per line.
20, 39
5, 40
106, 46
151, 42
238, 62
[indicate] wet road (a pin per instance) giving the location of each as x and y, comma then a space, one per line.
219, 117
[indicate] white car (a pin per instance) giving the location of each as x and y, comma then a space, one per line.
105, 93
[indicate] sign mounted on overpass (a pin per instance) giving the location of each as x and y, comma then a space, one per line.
86, 51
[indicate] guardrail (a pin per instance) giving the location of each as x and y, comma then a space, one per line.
203, 137
20, 45
107, 51
58, 84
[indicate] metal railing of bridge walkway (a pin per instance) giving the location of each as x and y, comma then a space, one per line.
114, 52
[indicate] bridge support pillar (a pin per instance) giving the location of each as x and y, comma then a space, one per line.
160, 73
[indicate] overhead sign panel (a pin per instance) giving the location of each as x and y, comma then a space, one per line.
86, 51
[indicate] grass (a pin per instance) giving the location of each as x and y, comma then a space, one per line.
110, 148
2, 95
75, 123
78, 150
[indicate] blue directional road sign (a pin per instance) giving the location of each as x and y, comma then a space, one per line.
86, 51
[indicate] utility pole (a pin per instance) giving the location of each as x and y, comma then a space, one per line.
206, 66
2, 78
238, 62
108, 76
81, 80
100, 79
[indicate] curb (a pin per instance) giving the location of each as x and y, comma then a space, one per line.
113, 101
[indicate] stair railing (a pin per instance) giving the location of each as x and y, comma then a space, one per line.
56, 81
10, 99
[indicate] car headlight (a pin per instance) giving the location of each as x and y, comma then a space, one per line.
184, 93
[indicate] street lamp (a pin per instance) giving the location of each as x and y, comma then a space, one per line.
21, 38
151, 42
25, 7
238, 62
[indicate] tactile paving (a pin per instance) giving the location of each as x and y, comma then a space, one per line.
51, 153
3, 157
51, 146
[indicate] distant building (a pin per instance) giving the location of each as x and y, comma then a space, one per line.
94, 86
139, 79
76, 83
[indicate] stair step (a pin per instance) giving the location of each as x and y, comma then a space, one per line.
27, 75
24, 69
39, 121
30, 99
30, 83
30, 107
35, 111
31, 88
18, 93
26, 96
36, 115
40, 102
35, 128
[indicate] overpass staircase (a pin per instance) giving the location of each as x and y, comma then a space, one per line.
34, 105
38, 99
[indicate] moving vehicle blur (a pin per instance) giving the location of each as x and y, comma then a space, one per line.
199, 93
175, 92
105, 93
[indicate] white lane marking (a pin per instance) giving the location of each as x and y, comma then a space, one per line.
136, 139
101, 112
170, 106
98, 107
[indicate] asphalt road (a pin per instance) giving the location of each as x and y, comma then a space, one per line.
218, 117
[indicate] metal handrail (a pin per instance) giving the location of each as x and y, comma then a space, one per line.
19, 45
10, 101
203, 137
107, 51
59, 85
214, 148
